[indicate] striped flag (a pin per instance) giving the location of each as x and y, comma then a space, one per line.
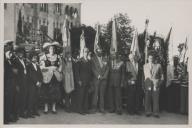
135, 46
114, 36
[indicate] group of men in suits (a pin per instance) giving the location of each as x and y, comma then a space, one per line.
108, 75
98, 83
22, 80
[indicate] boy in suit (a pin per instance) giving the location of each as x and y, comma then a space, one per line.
35, 82
153, 77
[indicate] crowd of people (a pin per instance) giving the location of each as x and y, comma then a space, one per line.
85, 85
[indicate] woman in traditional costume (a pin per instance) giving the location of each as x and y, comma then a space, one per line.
51, 65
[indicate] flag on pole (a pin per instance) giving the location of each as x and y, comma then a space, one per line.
146, 37
19, 32
169, 55
82, 43
114, 36
169, 45
135, 46
65, 33
19, 24
67, 68
97, 40
185, 49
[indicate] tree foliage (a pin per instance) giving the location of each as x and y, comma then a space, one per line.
124, 34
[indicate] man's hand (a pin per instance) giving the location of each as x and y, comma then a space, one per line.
99, 77
80, 83
38, 84
15, 71
17, 88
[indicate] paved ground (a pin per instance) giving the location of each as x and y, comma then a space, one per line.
109, 118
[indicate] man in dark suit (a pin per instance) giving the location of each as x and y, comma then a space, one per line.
22, 77
132, 84
100, 70
10, 93
153, 78
116, 76
35, 82
84, 77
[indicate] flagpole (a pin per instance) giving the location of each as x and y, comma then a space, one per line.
185, 46
146, 34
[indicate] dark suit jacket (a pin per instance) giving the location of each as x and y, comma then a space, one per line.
131, 72
21, 77
8, 76
34, 76
84, 72
98, 70
116, 76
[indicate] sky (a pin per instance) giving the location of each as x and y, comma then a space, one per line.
162, 15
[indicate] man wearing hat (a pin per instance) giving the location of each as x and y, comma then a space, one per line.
10, 93
100, 71
22, 78
116, 76
35, 82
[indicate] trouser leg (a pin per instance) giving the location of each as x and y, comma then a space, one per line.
85, 101
148, 100
118, 100
155, 98
102, 94
95, 96
131, 99
111, 98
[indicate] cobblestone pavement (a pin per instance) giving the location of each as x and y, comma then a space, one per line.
63, 117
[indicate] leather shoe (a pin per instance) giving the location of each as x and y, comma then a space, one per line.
148, 115
156, 116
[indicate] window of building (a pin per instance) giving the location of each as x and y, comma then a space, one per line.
67, 10
5, 6
60, 25
58, 8
44, 7
57, 24
71, 11
27, 18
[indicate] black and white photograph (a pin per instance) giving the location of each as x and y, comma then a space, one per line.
96, 62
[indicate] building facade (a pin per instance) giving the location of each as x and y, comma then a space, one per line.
39, 22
